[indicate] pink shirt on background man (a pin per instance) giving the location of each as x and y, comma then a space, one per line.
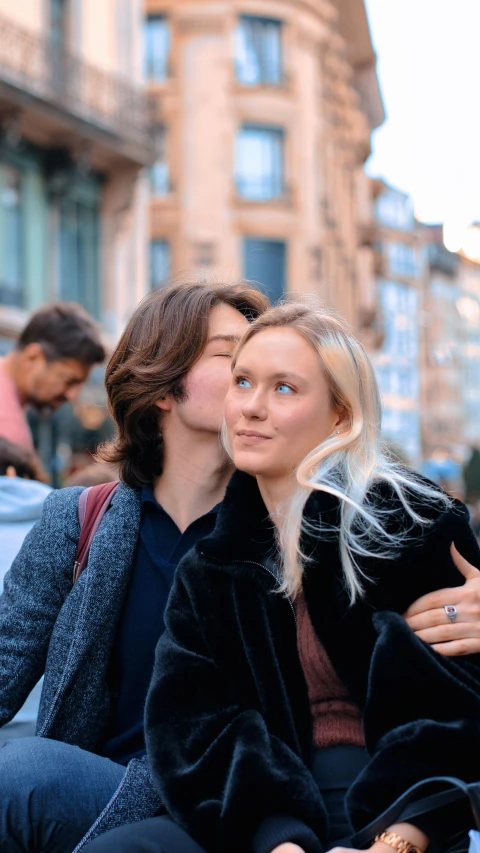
13, 422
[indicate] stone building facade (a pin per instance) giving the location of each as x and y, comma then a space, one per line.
263, 114
74, 138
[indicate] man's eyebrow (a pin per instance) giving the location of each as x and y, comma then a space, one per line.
231, 339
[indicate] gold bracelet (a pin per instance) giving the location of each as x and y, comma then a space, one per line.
401, 845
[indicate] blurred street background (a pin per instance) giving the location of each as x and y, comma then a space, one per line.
326, 146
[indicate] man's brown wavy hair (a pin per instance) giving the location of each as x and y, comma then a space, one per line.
164, 338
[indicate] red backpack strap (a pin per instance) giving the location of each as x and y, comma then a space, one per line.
92, 506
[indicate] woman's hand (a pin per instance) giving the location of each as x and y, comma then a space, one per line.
288, 847
405, 830
428, 619
377, 847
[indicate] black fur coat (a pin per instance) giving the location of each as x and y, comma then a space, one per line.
228, 720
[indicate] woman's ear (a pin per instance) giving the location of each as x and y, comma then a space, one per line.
342, 420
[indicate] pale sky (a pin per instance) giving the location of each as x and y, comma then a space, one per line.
429, 71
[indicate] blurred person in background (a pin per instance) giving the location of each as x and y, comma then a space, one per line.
21, 499
92, 475
52, 358
443, 470
21, 502
471, 477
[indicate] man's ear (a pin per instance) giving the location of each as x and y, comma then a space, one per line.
164, 404
33, 353
11, 471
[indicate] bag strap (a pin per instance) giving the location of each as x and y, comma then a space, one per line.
457, 789
92, 506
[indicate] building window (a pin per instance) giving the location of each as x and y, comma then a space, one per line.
159, 178
395, 210
258, 53
204, 254
317, 263
59, 10
264, 262
11, 228
59, 31
79, 251
400, 307
156, 47
259, 162
159, 262
125, 48
403, 259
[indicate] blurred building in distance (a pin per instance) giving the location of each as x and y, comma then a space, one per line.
450, 367
263, 115
74, 136
442, 391
425, 337
399, 271
468, 307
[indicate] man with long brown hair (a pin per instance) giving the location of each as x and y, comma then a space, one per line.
94, 641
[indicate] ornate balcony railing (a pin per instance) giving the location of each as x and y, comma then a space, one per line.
33, 64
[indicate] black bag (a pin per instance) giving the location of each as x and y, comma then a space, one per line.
412, 803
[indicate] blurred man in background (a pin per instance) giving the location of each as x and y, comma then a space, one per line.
53, 357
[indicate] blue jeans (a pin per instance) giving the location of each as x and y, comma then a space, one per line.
155, 835
50, 794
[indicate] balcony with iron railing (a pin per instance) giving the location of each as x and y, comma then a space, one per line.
40, 77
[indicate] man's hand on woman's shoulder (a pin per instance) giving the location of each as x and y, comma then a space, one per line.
427, 616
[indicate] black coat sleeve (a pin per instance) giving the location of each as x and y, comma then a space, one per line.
422, 714
222, 775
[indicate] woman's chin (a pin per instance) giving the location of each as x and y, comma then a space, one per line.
250, 463
261, 472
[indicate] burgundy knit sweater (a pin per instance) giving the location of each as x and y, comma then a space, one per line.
335, 718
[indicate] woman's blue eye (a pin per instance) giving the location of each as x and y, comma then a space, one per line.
242, 382
284, 389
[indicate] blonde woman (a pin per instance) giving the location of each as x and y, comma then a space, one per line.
291, 704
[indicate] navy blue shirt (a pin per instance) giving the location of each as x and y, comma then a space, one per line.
160, 548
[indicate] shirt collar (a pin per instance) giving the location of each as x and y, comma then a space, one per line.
147, 497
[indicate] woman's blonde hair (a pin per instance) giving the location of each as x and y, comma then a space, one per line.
347, 464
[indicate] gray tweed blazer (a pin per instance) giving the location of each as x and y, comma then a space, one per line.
50, 627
